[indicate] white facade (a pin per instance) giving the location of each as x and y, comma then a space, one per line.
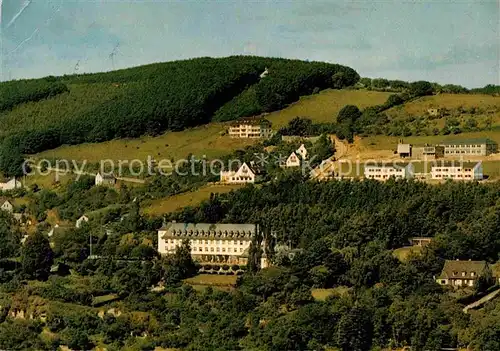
458, 171
242, 176
104, 179
11, 185
292, 161
302, 151
385, 172
80, 221
7, 207
217, 243
251, 129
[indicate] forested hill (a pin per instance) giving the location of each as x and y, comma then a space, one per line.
45, 113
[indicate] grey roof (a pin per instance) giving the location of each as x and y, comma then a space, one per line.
469, 141
209, 230
454, 269
251, 121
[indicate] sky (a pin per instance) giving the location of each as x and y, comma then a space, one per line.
444, 41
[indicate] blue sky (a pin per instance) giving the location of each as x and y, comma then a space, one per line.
444, 41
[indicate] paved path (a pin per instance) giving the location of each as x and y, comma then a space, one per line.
483, 300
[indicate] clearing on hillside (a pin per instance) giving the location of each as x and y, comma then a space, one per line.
325, 106
173, 203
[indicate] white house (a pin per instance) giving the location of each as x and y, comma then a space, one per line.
457, 171
386, 171
211, 243
264, 74
292, 161
302, 151
7, 206
243, 175
11, 185
81, 220
105, 179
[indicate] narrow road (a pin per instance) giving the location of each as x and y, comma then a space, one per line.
482, 301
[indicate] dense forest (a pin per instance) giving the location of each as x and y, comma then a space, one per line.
165, 96
343, 235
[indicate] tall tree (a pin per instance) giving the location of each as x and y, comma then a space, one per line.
37, 256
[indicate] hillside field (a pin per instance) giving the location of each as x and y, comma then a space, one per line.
210, 140
193, 198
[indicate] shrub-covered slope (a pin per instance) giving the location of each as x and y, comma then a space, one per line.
166, 96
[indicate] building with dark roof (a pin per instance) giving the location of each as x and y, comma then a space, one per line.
461, 273
211, 243
470, 147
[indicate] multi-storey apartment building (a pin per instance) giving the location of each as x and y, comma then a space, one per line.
457, 171
251, 128
470, 147
211, 243
386, 171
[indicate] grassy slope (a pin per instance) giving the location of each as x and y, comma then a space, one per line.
324, 107
170, 204
208, 140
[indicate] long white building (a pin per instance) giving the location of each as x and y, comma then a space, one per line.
457, 171
211, 243
387, 171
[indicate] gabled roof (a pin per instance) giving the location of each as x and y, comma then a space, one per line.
454, 269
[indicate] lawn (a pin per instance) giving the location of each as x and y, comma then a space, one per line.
208, 140
449, 101
173, 203
324, 107
382, 142
322, 294
216, 281
403, 253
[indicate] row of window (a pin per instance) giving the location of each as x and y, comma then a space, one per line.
452, 176
462, 146
391, 170
210, 249
451, 170
194, 242
385, 176
464, 152
472, 274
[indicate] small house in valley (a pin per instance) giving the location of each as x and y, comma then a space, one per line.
302, 151
404, 150
292, 161
81, 220
7, 206
11, 185
244, 174
420, 241
461, 273
105, 179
